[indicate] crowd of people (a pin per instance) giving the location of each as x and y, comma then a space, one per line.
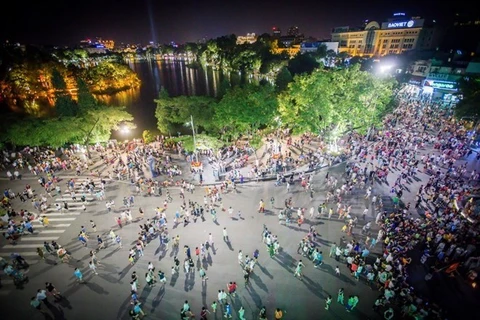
418, 137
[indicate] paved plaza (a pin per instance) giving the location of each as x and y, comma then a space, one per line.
107, 295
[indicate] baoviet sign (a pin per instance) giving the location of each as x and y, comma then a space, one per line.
415, 23
402, 24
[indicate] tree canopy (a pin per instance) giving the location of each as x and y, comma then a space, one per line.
90, 127
174, 111
335, 99
469, 105
245, 108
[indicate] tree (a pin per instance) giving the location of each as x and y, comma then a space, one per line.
172, 111
335, 100
64, 104
246, 108
321, 52
468, 106
284, 77
302, 63
92, 126
86, 100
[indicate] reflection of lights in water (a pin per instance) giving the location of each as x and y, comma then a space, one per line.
122, 98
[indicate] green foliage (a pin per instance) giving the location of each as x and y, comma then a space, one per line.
284, 77
58, 82
64, 105
203, 141
337, 99
245, 108
86, 100
469, 105
149, 135
302, 63
173, 111
109, 77
90, 127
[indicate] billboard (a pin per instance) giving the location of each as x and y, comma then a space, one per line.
403, 24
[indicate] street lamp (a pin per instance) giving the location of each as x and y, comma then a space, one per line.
125, 129
385, 67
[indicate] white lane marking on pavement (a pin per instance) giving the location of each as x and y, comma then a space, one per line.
64, 225
62, 219
51, 231
26, 253
20, 246
70, 199
34, 238
61, 214
73, 208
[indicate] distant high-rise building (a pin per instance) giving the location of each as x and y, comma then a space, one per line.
276, 32
293, 31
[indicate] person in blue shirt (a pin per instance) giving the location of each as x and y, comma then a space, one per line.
228, 310
138, 310
78, 274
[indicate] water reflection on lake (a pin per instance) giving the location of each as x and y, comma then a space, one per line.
176, 77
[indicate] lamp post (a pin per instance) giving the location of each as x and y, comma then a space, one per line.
194, 139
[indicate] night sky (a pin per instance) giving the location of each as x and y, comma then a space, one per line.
65, 22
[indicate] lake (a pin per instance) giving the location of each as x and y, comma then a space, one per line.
176, 77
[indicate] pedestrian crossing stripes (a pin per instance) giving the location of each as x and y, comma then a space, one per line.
62, 225
20, 246
50, 231
35, 238
59, 221
61, 214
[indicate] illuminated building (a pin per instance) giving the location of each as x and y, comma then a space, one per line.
293, 31
109, 44
276, 32
98, 43
395, 36
291, 51
249, 38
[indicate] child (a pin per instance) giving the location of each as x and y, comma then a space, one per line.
337, 271
340, 296
214, 306
328, 302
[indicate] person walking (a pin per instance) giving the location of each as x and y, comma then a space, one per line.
214, 306
138, 310
52, 290
225, 235
298, 270
118, 240
93, 267
78, 274
340, 296
203, 313
328, 302
40, 253
161, 277
228, 311
241, 313
94, 226
45, 221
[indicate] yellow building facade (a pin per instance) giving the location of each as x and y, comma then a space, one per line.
395, 36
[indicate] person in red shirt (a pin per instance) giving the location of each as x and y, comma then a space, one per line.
232, 288
203, 313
